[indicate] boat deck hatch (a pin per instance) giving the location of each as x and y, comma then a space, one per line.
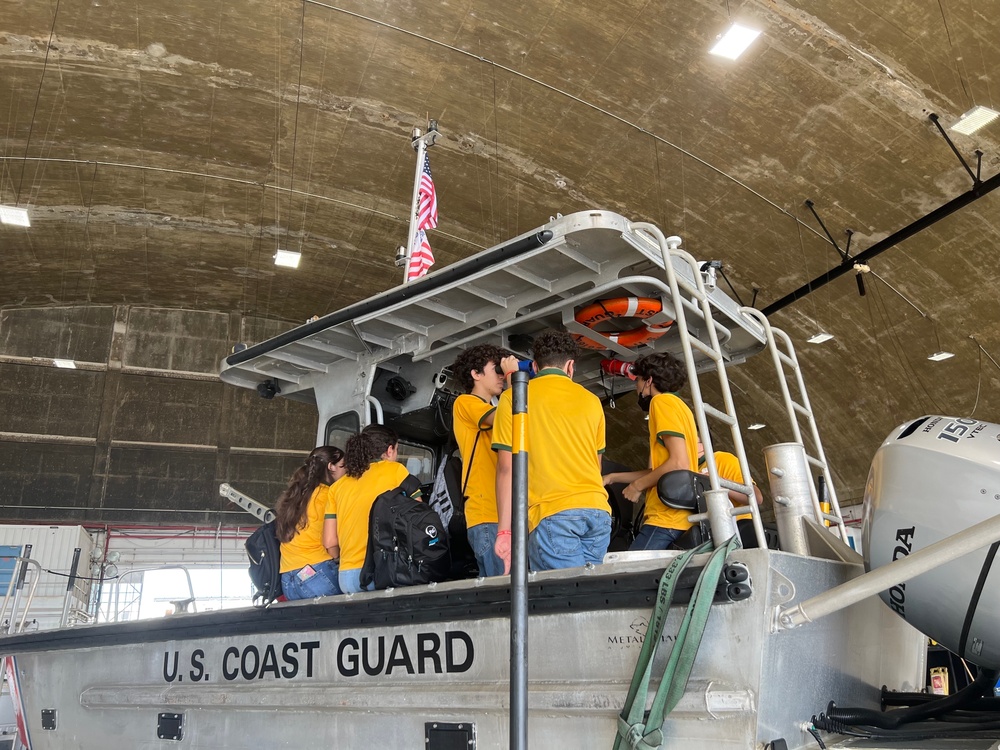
441, 736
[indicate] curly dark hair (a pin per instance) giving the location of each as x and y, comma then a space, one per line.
667, 372
475, 358
553, 349
367, 447
290, 510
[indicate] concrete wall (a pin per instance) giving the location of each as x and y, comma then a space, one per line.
142, 431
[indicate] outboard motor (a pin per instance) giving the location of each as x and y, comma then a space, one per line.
932, 478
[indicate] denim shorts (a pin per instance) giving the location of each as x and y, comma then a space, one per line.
570, 539
654, 537
323, 582
350, 581
482, 537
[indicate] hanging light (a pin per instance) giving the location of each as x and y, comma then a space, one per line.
734, 42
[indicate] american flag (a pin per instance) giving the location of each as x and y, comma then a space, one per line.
421, 257
427, 203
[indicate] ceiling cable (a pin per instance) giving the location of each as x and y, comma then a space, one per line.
34, 112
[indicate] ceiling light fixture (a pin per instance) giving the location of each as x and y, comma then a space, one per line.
940, 356
734, 42
757, 426
15, 216
66, 364
976, 118
287, 258
819, 338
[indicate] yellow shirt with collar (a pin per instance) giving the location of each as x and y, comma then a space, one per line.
728, 467
669, 416
350, 502
565, 435
306, 547
475, 444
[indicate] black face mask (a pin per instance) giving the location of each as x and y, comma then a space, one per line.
644, 400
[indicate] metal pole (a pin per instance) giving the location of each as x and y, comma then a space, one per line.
919, 562
19, 586
519, 567
70, 585
420, 145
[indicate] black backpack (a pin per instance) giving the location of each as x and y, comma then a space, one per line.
407, 544
264, 551
448, 499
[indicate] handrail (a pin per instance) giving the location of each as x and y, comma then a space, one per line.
16, 582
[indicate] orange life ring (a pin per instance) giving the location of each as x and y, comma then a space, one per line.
621, 307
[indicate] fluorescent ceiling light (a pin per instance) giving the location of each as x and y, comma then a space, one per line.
288, 258
734, 42
974, 119
67, 364
757, 426
16, 216
820, 338
940, 356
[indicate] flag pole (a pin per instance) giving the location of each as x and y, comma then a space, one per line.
420, 142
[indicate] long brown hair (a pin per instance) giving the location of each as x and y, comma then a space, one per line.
291, 507
366, 447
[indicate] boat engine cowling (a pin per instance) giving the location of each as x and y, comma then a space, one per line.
932, 478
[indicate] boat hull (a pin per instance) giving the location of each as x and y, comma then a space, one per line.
425, 667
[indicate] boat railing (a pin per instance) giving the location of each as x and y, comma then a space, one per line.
15, 588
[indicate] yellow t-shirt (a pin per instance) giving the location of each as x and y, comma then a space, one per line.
481, 491
565, 434
350, 502
669, 416
306, 547
728, 467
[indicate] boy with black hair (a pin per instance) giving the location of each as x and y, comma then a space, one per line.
478, 370
569, 518
673, 444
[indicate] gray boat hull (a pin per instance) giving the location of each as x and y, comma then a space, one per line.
403, 669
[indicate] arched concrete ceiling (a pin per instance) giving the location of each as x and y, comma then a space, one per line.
165, 149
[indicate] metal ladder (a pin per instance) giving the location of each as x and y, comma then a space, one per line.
696, 296
801, 408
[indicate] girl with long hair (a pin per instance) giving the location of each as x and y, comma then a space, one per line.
371, 470
308, 569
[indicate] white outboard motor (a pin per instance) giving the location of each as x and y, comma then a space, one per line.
932, 478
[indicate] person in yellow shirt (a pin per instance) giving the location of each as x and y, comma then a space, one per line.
569, 518
372, 469
308, 569
478, 370
673, 444
728, 467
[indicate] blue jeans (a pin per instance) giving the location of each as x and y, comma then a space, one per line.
350, 581
482, 537
323, 582
654, 537
570, 539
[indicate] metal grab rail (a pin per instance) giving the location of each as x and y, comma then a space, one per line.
259, 510
16, 584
